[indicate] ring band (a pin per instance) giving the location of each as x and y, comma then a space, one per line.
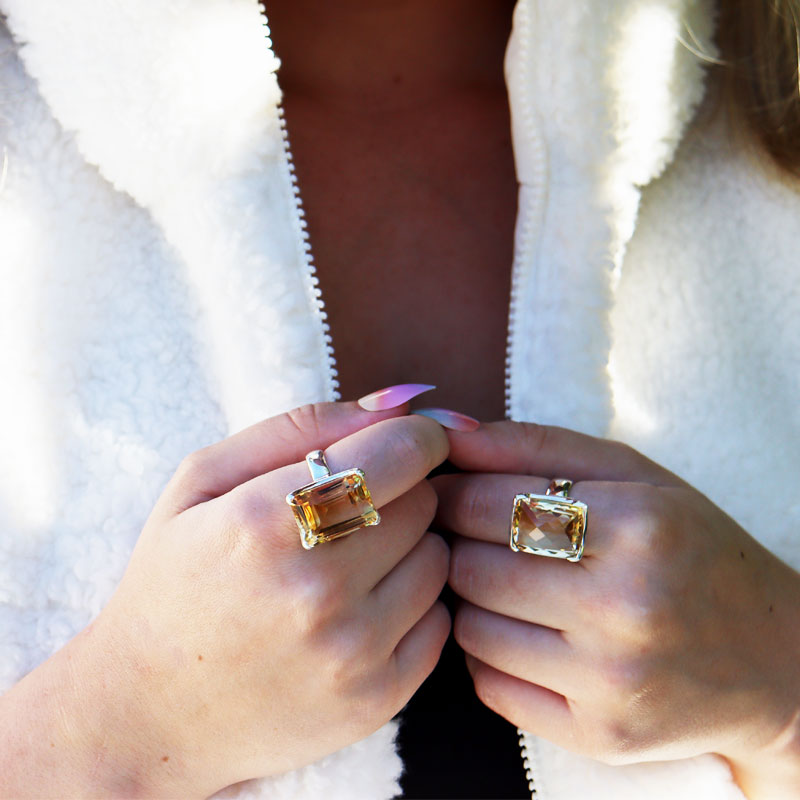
332, 506
549, 524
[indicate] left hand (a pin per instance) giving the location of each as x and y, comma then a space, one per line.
676, 634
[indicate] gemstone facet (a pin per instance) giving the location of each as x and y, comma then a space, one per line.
333, 507
548, 525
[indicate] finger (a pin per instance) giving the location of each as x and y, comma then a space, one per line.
620, 515
479, 505
417, 653
404, 596
395, 455
544, 591
545, 450
526, 705
284, 439
532, 653
376, 551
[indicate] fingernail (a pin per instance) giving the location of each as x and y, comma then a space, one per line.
450, 419
393, 396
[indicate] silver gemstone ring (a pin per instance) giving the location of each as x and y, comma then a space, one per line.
549, 524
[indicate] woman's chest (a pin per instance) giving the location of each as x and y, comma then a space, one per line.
412, 226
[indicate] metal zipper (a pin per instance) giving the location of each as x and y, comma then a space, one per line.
526, 236
310, 277
531, 766
529, 226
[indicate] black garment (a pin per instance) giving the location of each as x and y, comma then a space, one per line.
453, 747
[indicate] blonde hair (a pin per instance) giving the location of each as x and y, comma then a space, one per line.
759, 80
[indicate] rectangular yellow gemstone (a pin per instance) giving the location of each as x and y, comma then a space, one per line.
547, 525
333, 507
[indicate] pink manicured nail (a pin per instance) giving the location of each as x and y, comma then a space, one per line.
450, 419
393, 396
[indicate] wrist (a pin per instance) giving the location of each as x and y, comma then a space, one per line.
72, 727
767, 776
769, 770
765, 757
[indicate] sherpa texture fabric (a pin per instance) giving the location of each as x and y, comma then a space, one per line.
158, 295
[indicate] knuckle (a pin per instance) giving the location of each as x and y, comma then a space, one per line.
647, 535
487, 691
616, 742
623, 454
623, 678
426, 444
514, 582
323, 596
194, 468
248, 521
348, 655
534, 437
405, 446
627, 731
305, 419
475, 502
433, 434
317, 603
645, 528
464, 629
462, 574
248, 513
641, 614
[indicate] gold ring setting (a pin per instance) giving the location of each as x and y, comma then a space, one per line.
332, 506
550, 524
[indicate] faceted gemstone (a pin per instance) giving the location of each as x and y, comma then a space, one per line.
548, 526
333, 507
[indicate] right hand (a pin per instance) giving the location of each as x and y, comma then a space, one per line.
234, 653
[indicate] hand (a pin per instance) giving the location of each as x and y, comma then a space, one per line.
676, 634
228, 652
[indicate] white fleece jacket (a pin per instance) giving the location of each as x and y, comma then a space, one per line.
158, 294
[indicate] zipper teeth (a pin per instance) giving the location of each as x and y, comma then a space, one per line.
312, 283
516, 275
532, 221
309, 268
530, 765
527, 763
311, 279
522, 19
526, 235
525, 238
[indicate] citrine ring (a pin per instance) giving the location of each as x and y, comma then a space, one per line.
331, 506
549, 524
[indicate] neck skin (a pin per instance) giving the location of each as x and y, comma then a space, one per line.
388, 54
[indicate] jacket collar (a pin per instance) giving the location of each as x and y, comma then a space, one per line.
601, 92
177, 104
184, 116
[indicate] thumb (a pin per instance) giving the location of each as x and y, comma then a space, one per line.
524, 448
272, 443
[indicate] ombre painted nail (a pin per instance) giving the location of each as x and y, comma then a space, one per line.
393, 396
450, 419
